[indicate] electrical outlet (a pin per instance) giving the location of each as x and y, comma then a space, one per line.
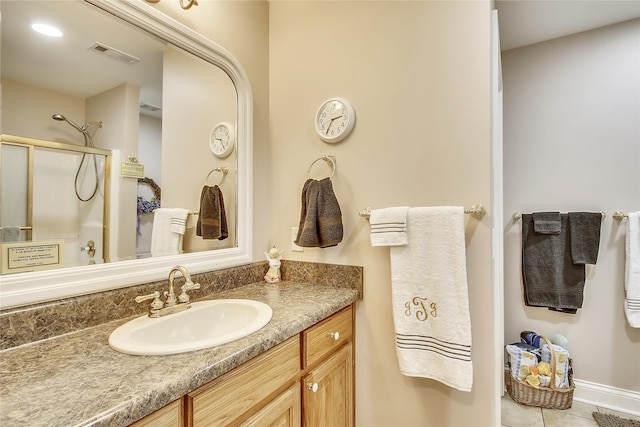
294, 234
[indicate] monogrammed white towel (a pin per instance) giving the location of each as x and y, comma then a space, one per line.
430, 300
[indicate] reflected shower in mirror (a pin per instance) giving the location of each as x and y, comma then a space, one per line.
149, 104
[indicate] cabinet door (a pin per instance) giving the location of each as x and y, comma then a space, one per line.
227, 398
169, 416
328, 391
283, 411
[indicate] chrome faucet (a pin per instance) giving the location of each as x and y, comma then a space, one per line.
171, 304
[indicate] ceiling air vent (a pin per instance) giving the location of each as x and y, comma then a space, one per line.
150, 107
114, 53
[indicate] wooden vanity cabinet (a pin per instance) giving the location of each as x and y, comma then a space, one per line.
308, 380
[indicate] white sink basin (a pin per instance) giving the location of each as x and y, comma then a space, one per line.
205, 324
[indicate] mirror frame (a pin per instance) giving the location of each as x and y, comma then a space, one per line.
35, 287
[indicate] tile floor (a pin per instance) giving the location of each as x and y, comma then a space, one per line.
579, 415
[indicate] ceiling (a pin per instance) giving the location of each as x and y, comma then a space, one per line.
525, 22
67, 64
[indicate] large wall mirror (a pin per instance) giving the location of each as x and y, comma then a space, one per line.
139, 87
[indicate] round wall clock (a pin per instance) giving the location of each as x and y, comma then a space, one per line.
335, 119
222, 139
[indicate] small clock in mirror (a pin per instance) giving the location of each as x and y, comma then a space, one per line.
222, 139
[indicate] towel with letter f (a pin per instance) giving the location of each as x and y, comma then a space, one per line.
430, 299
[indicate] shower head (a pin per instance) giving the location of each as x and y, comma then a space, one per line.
61, 118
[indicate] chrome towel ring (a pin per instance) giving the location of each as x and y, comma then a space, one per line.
330, 160
223, 170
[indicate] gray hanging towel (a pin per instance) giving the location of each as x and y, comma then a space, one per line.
550, 277
546, 222
212, 220
320, 217
584, 228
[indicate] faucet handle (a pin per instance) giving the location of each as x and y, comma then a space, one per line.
156, 304
189, 285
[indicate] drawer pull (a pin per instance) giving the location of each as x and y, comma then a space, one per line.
313, 387
335, 335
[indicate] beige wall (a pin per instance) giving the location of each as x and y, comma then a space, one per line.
571, 143
242, 28
417, 74
202, 95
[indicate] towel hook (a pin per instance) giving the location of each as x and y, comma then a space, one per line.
223, 170
330, 160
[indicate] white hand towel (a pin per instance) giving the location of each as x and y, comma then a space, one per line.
179, 220
632, 270
430, 299
164, 241
389, 226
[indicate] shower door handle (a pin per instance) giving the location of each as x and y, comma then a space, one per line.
90, 248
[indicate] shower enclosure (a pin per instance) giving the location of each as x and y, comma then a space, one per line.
45, 224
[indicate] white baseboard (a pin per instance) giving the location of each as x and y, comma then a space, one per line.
607, 397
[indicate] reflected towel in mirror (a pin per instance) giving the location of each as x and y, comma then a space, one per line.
212, 221
164, 239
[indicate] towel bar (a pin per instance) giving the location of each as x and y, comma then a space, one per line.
25, 228
476, 211
619, 215
518, 215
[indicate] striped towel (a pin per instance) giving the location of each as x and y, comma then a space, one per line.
179, 220
430, 299
389, 226
632, 270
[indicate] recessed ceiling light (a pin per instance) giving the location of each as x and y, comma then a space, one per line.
47, 30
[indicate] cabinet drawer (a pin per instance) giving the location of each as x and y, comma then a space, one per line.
226, 398
326, 336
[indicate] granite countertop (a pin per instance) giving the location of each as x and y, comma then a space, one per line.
78, 380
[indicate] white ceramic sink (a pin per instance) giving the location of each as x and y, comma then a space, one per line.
205, 324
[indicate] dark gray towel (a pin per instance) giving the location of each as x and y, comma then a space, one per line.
550, 277
584, 228
212, 220
320, 216
546, 222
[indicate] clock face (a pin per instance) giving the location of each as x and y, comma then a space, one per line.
335, 119
222, 140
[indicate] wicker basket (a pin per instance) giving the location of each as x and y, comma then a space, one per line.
542, 397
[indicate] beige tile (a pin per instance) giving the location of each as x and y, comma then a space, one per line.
578, 409
562, 418
517, 415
